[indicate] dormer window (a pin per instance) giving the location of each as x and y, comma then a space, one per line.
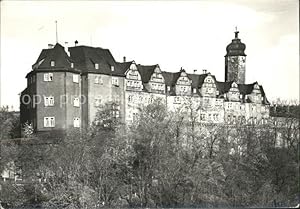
115, 81
98, 80
72, 65
52, 63
75, 78
169, 88
195, 90
96, 66
112, 68
48, 76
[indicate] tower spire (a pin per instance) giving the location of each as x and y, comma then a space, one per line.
56, 31
236, 32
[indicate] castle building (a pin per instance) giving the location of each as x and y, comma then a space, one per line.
66, 88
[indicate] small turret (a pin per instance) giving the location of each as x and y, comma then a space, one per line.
235, 60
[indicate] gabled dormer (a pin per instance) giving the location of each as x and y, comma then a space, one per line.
183, 85
233, 93
157, 81
209, 87
152, 78
256, 95
54, 58
133, 78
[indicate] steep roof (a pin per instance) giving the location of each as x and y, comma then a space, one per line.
246, 88
122, 67
198, 79
171, 78
146, 71
265, 101
86, 57
223, 87
57, 54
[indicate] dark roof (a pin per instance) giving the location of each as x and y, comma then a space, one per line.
198, 79
171, 78
265, 101
146, 71
236, 47
246, 88
122, 67
57, 54
86, 57
223, 87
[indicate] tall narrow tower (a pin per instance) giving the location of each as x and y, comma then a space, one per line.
235, 61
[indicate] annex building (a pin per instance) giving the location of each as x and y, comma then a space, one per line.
67, 86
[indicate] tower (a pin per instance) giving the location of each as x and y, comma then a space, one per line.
235, 61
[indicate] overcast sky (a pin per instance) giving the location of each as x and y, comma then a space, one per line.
188, 34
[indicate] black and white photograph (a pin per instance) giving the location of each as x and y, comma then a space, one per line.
149, 104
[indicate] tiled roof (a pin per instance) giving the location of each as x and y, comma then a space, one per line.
122, 67
146, 71
57, 54
86, 57
265, 101
236, 47
171, 78
223, 87
246, 88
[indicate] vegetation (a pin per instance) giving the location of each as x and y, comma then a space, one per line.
162, 160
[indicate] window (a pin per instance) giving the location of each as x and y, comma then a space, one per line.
48, 76
215, 116
97, 102
96, 66
52, 63
195, 90
75, 78
49, 101
176, 99
130, 98
202, 116
115, 113
33, 78
76, 102
98, 80
46, 101
115, 81
115, 110
49, 121
229, 118
255, 121
234, 119
76, 122
72, 65
112, 68
135, 116
169, 88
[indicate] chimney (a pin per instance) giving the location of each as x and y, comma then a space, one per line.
66, 49
195, 71
50, 46
76, 42
204, 71
124, 59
